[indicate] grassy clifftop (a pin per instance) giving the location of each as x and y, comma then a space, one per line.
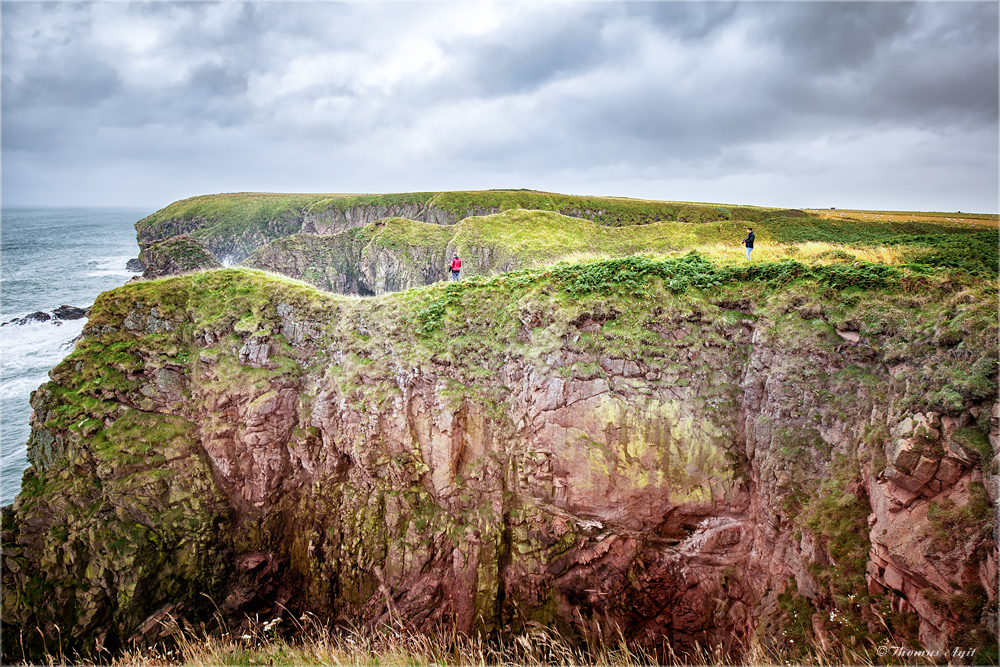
397, 253
482, 316
537, 238
238, 222
406, 238
120, 515
258, 207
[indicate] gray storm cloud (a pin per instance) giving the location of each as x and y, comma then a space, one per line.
879, 105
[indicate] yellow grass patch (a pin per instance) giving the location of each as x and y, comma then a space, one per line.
957, 219
316, 644
812, 251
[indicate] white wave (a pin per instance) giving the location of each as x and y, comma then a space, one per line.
109, 266
34, 347
110, 263
17, 390
14, 454
102, 274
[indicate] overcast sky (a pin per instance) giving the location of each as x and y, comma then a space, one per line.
794, 104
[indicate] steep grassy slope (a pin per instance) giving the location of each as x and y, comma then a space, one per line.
397, 253
498, 230
670, 448
233, 225
227, 223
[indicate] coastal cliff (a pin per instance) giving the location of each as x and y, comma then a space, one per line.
232, 226
395, 254
670, 450
174, 255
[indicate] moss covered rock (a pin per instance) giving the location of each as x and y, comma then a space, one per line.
651, 448
176, 254
233, 225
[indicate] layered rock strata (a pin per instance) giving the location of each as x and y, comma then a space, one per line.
679, 469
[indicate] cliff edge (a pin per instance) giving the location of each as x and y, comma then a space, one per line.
669, 450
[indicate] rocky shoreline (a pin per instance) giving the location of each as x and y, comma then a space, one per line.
58, 316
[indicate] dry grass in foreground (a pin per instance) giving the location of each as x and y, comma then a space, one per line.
315, 644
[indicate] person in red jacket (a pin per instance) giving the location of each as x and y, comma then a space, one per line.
456, 268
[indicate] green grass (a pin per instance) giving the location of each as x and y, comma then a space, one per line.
228, 223
213, 218
614, 211
853, 232
306, 641
611, 211
134, 435
649, 311
951, 523
970, 252
872, 255
497, 230
178, 254
404, 233
344, 202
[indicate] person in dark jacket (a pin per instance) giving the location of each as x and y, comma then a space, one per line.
748, 241
456, 268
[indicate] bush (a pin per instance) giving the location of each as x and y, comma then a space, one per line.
630, 275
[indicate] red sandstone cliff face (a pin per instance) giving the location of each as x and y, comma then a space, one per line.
731, 485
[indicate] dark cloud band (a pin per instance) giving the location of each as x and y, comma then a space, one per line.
320, 96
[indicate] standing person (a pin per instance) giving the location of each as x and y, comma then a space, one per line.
456, 268
748, 241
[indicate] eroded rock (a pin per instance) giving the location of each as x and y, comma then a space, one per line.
324, 458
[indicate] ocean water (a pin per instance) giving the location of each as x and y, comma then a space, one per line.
48, 258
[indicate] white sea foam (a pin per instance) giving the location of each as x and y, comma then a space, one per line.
16, 392
109, 266
41, 272
29, 351
36, 345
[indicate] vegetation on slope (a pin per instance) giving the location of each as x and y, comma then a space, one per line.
309, 642
503, 229
920, 293
614, 211
911, 315
945, 327
251, 217
398, 253
176, 254
226, 215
